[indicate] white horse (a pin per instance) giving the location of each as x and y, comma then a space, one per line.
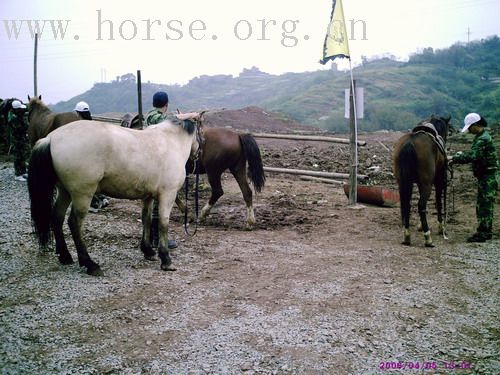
86, 157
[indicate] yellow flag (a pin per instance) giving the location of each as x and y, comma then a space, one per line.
336, 43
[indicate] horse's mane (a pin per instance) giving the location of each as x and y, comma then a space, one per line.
37, 103
188, 126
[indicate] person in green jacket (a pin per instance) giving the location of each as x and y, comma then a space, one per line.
18, 125
155, 116
159, 112
483, 158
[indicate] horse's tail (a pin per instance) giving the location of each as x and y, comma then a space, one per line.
407, 165
251, 152
41, 183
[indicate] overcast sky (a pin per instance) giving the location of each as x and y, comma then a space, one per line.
174, 41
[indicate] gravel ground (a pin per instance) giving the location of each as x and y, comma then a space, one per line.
316, 288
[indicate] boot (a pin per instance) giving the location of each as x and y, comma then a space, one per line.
479, 237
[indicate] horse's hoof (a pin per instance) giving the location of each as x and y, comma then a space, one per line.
150, 257
45, 250
406, 243
95, 272
249, 227
429, 245
169, 267
66, 259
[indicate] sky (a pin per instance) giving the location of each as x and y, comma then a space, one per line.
172, 42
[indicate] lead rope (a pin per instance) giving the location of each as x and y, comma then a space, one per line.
445, 190
448, 168
445, 198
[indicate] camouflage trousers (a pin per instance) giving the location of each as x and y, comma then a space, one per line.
20, 151
486, 194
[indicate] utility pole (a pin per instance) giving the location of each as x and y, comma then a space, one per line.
468, 35
35, 83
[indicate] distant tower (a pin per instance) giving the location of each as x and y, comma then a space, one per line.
468, 35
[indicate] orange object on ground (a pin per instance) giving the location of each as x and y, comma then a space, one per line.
377, 195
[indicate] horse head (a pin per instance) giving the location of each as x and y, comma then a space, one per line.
198, 140
442, 125
193, 122
36, 107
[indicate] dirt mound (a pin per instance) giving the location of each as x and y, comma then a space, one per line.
255, 119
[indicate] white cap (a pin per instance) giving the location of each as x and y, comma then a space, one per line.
81, 107
16, 104
470, 120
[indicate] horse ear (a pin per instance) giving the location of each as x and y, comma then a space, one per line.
29, 97
447, 119
40, 97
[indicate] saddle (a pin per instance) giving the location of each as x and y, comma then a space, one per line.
431, 131
131, 120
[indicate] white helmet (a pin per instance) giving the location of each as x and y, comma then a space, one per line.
16, 104
470, 120
82, 107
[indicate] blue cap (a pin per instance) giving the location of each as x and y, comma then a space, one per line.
160, 99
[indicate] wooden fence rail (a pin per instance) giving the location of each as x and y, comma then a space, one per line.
107, 119
306, 138
294, 137
304, 172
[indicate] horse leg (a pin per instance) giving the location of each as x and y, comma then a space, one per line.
405, 194
406, 230
440, 188
240, 176
79, 210
146, 247
425, 193
166, 202
217, 192
58, 213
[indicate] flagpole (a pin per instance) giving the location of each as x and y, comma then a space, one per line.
336, 45
353, 194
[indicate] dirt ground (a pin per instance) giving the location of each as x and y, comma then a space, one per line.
318, 287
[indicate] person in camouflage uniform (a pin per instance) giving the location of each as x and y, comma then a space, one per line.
155, 116
484, 161
159, 112
18, 126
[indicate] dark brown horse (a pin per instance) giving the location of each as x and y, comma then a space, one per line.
225, 149
420, 157
42, 120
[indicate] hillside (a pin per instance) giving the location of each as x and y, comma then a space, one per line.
454, 81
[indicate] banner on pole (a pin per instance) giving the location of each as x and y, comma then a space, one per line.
336, 43
360, 102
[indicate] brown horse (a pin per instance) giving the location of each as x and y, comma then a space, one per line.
42, 120
225, 149
420, 157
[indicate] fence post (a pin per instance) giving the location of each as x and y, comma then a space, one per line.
139, 98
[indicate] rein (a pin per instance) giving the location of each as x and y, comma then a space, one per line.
196, 170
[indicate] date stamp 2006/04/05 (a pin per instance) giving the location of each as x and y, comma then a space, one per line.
424, 365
